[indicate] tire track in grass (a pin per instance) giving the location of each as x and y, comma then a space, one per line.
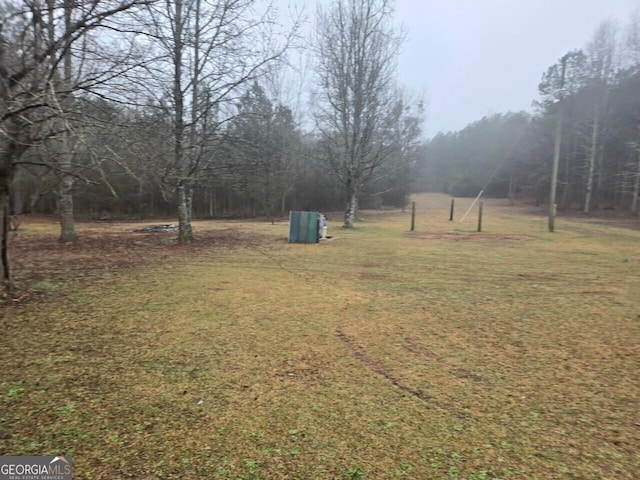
459, 372
374, 366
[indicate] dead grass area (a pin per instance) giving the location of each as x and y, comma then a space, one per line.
470, 236
375, 356
42, 265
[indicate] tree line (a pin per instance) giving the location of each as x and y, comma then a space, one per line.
589, 106
144, 108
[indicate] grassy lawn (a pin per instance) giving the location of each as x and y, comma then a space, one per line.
376, 355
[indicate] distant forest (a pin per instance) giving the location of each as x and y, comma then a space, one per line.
598, 89
177, 114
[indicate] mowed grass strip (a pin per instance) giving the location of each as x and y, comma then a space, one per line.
377, 355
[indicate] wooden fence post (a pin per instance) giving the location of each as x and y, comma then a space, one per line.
413, 216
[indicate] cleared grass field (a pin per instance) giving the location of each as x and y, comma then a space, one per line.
376, 355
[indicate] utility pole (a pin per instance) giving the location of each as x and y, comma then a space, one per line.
556, 150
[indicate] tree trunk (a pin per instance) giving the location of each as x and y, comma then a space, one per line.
185, 233
179, 157
619, 190
12, 149
512, 188
592, 160
567, 197
65, 192
599, 197
283, 204
5, 268
267, 196
352, 204
189, 192
557, 147
65, 210
63, 147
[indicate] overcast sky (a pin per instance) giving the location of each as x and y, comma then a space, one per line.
471, 58
477, 57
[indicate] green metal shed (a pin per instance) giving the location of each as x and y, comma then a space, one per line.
303, 227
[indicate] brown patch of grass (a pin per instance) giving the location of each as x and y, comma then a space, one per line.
374, 276
470, 236
103, 249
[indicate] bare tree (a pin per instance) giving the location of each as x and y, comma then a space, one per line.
633, 58
205, 50
561, 79
392, 182
632, 40
37, 40
601, 57
61, 142
357, 48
